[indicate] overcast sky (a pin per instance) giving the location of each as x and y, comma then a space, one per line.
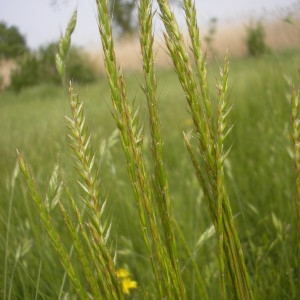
42, 23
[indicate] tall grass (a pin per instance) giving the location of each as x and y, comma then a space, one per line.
171, 266
296, 141
210, 144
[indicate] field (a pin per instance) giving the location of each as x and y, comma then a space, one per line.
260, 180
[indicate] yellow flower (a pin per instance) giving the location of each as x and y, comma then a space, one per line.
122, 273
127, 283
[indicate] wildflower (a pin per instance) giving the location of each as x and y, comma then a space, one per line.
127, 283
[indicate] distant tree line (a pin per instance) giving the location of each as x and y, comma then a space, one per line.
35, 67
12, 42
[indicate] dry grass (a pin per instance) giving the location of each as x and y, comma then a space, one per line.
128, 53
6, 67
279, 35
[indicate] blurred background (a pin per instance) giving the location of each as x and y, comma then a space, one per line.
35, 27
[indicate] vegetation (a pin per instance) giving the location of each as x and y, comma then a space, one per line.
259, 177
155, 213
12, 42
124, 14
36, 67
39, 67
256, 43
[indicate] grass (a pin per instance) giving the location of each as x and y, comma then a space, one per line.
259, 177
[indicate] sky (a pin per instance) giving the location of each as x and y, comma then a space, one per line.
42, 23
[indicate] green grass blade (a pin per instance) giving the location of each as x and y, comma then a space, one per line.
52, 232
12, 187
105, 270
295, 104
87, 270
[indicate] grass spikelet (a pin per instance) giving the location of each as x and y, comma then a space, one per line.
84, 158
64, 46
92, 203
54, 192
209, 169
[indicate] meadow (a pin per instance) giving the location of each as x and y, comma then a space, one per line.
259, 175
180, 256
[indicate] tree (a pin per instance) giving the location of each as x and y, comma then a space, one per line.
256, 36
124, 15
39, 67
12, 43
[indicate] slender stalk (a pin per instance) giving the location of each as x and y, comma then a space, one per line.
40, 266
12, 185
222, 195
295, 104
201, 286
52, 232
12, 278
87, 271
111, 289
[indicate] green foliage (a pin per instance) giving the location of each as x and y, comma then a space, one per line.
43, 66
27, 73
35, 68
12, 42
256, 35
124, 13
39, 67
79, 67
46, 60
1, 82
